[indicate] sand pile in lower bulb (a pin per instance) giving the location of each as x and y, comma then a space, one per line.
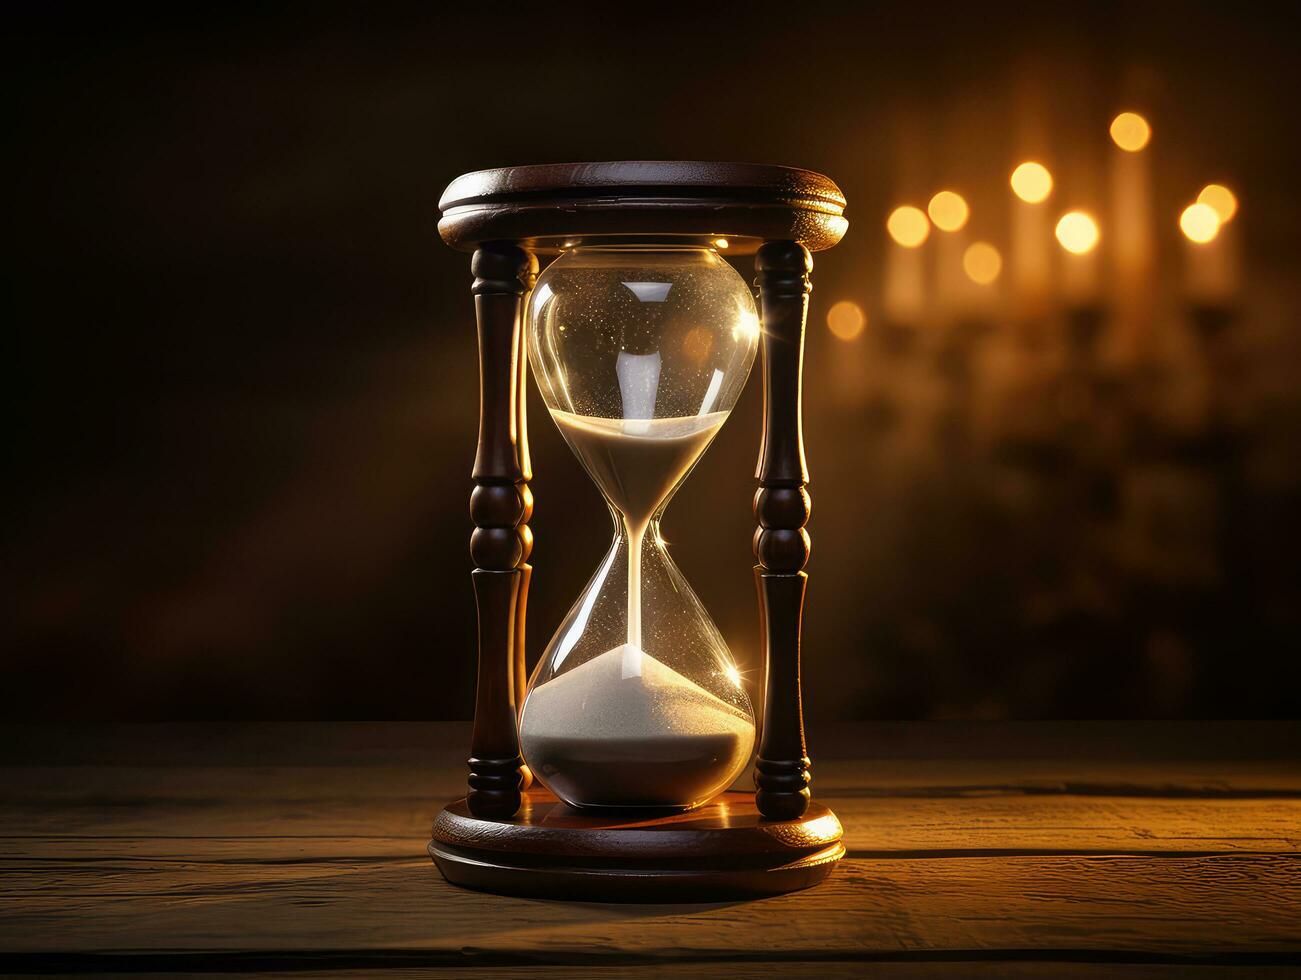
627, 693
624, 729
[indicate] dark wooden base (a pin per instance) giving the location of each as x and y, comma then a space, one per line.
723, 850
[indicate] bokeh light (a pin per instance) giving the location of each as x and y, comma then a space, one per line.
982, 263
948, 210
1077, 232
846, 319
1223, 200
1032, 182
908, 226
1200, 223
1130, 131
721, 243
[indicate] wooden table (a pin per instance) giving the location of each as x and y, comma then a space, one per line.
1064, 850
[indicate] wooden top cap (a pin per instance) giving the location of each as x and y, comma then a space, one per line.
547, 206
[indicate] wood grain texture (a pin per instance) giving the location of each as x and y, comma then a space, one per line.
1120, 906
723, 850
645, 177
309, 854
542, 206
789, 970
202, 825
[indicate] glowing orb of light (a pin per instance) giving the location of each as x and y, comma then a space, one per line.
747, 324
908, 226
846, 319
1200, 223
1031, 182
1223, 200
982, 263
1130, 131
948, 210
1077, 232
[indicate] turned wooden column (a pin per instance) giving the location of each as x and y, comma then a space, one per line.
500, 506
781, 544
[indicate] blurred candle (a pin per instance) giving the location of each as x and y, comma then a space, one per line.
1131, 231
904, 296
849, 375
1077, 233
982, 264
1031, 248
1211, 266
949, 212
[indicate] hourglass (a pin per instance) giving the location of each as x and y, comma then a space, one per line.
606, 776
640, 353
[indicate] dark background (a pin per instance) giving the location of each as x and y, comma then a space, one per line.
242, 390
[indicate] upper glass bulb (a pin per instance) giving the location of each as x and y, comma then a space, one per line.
640, 354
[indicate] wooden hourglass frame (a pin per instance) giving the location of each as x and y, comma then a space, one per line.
503, 835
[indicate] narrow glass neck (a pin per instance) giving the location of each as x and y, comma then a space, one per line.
623, 532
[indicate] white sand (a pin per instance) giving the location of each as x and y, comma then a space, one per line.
627, 693
624, 730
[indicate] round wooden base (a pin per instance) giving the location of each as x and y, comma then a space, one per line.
723, 850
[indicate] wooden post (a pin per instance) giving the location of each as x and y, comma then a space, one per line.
781, 544
500, 506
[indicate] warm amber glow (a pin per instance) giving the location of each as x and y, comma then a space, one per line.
908, 226
948, 210
1077, 232
1031, 182
1200, 223
697, 343
982, 263
846, 319
720, 243
1130, 131
1223, 200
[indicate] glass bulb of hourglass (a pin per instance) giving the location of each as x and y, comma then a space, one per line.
640, 354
